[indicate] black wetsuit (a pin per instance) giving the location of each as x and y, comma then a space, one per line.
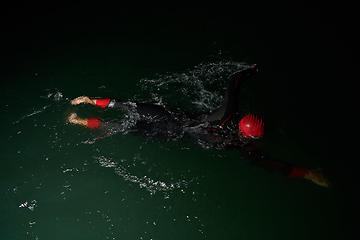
217, 129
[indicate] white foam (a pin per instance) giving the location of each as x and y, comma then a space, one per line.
151, 185
31, 206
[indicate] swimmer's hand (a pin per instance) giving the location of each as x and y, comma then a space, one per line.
254, 66
317, 177
74, 119
82, 99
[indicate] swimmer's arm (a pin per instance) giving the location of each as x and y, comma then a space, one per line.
73, 118
103, 103
83, 99
288, 170
317, 177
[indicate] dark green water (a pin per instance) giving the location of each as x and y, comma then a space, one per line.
58, 181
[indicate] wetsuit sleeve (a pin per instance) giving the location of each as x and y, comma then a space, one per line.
284, 168
230, 103
112, 103
298, 172
104, 124
232, 93
238, 78
93, 123
103, 103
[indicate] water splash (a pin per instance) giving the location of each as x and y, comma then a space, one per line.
30, 205
150, 184
55, 94
35, 111
202, 87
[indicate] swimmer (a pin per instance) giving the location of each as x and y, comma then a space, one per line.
219, 128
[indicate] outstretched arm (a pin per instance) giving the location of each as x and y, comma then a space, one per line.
289, 170
111, 103
73, 118
317, 177
83, 99
314, 175
86, 122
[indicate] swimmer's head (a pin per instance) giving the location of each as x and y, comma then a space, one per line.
251, 126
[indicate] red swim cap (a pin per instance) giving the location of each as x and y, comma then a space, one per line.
252, 126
